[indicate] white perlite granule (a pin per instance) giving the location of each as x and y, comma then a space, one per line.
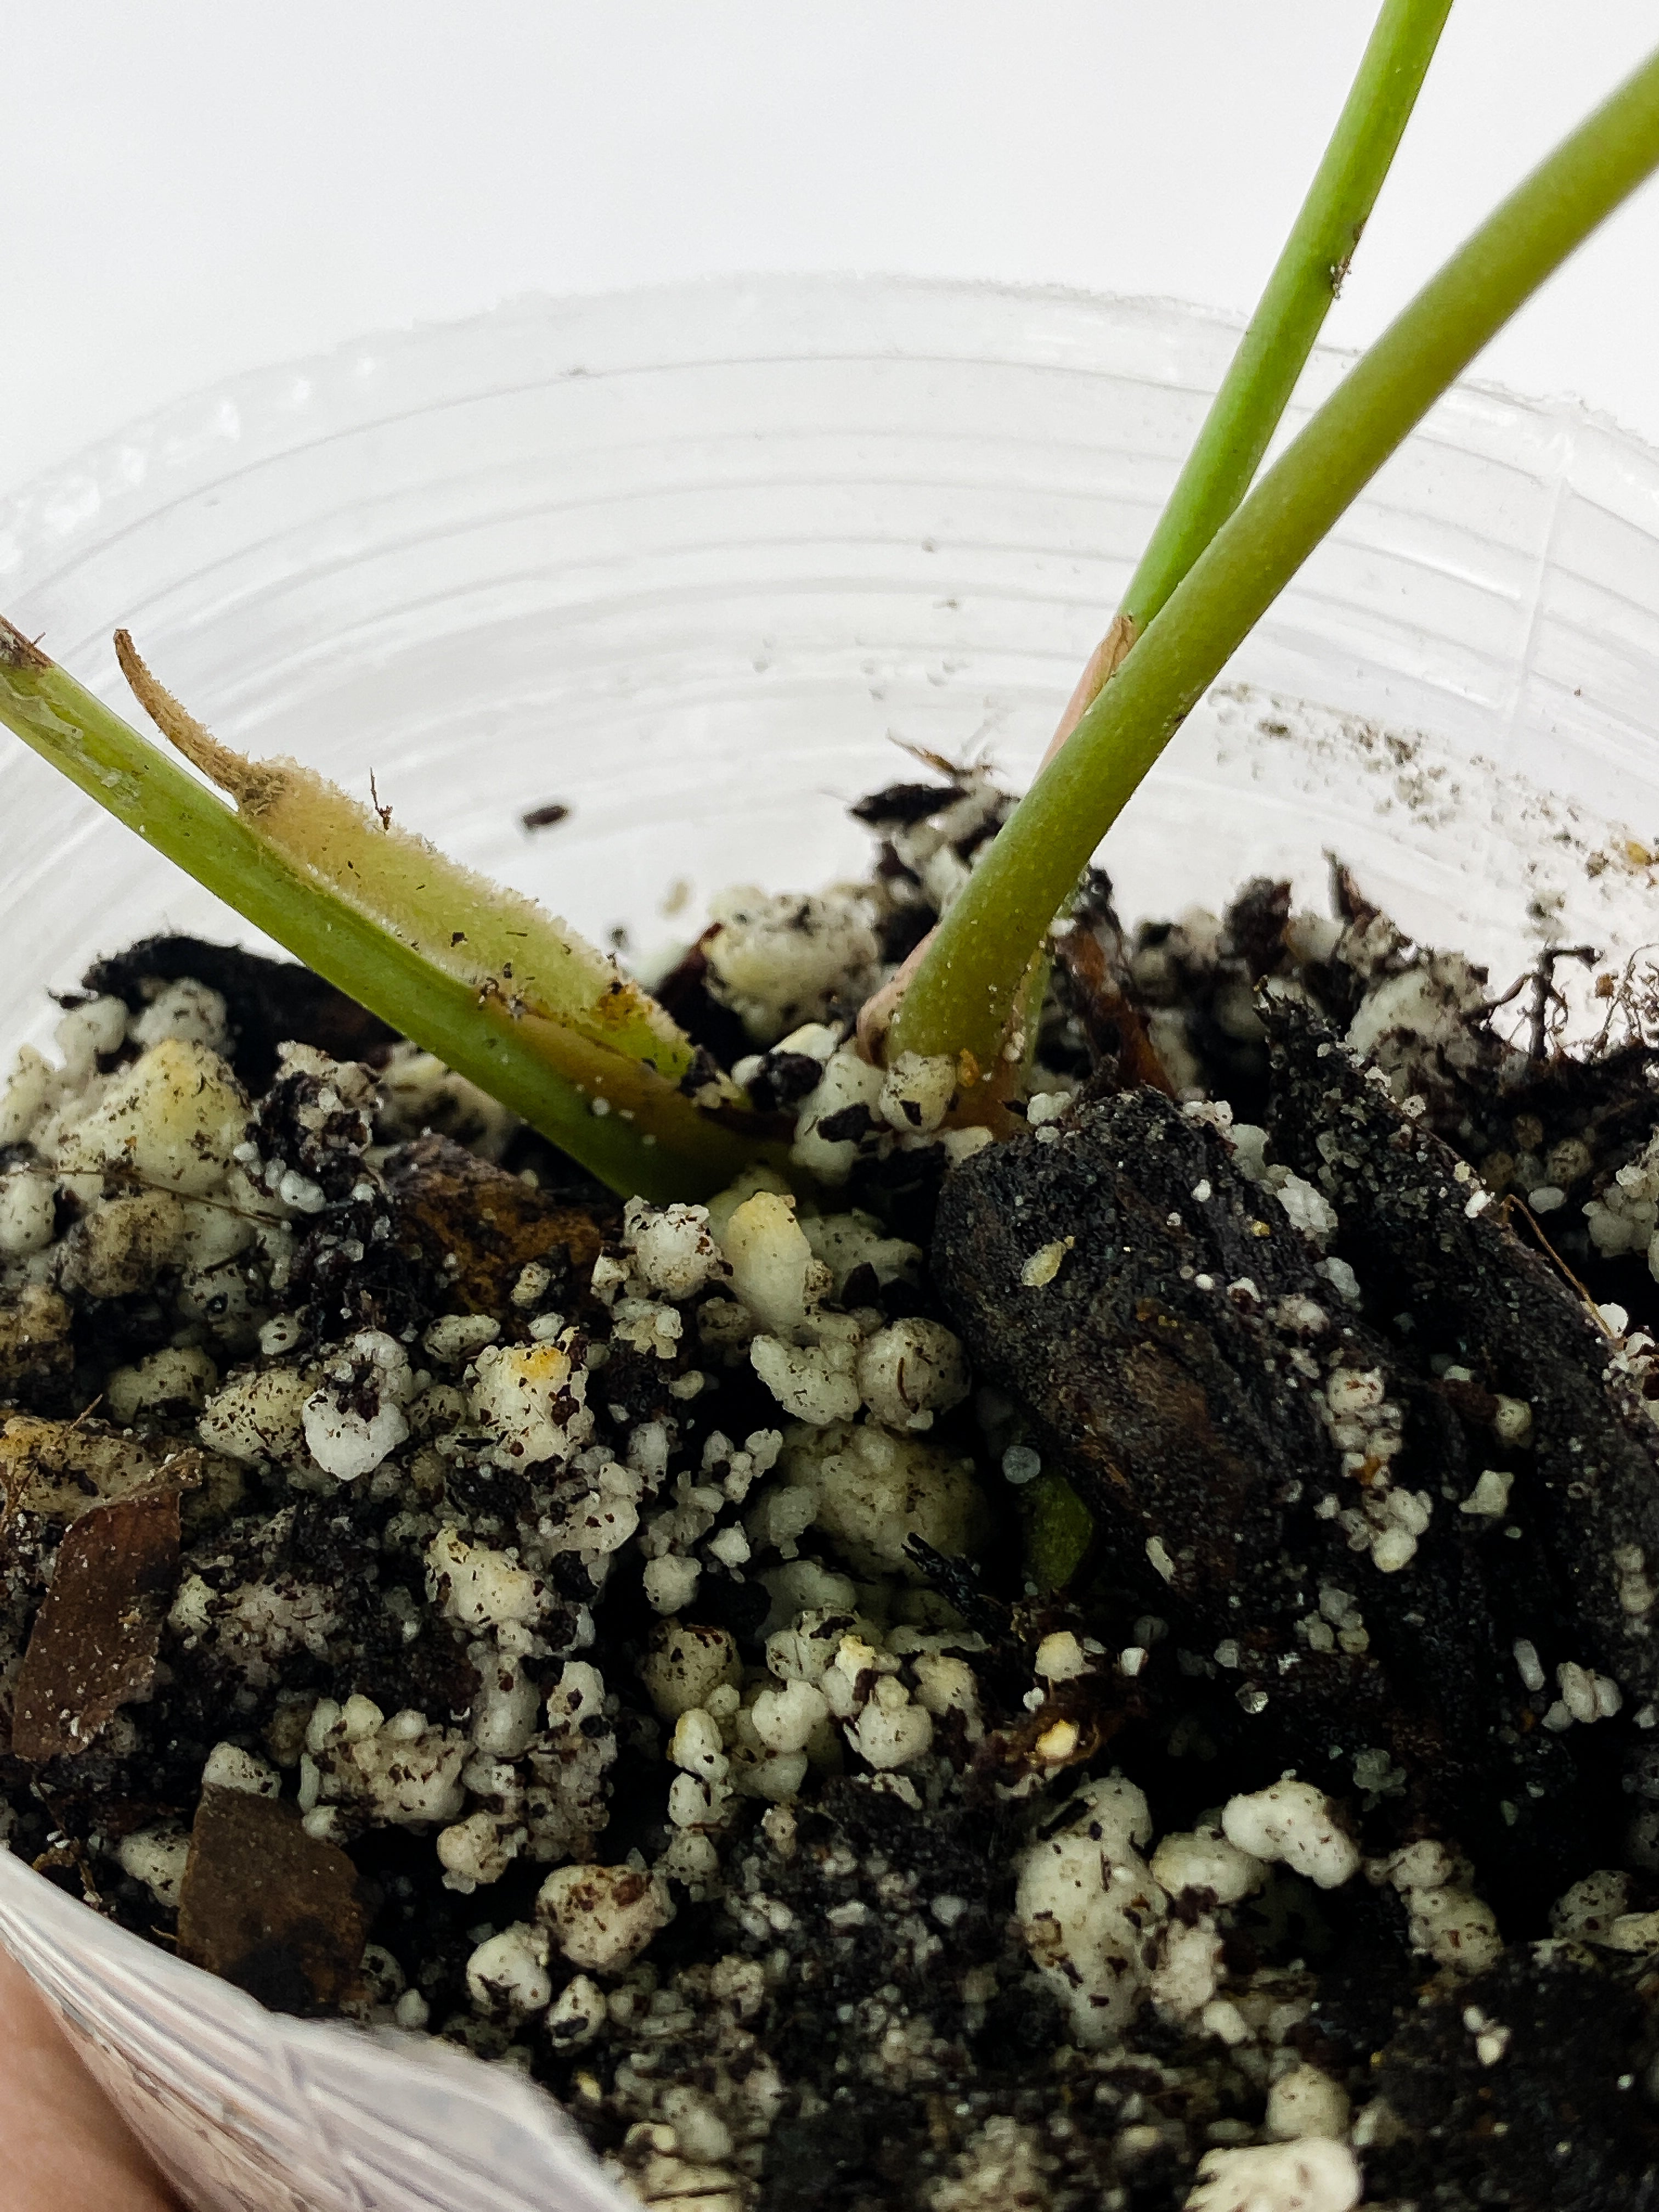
601, 1918
1295, 1823
174, 1119
1626, 1216
1045, 1263
530, 1400
371, 1370
1086, 1901
229, 1767
1313, 2176
1305, 2103
1446, 1920
157, 1858
779, 959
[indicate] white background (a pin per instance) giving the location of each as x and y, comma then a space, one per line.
194, 187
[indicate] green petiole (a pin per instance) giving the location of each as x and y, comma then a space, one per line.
1259, 379
647, 1136
964, 992
1291, 312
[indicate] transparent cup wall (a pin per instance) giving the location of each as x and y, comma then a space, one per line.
692, 562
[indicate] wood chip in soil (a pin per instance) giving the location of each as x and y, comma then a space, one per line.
482, 1225
94, 1644
280, 1913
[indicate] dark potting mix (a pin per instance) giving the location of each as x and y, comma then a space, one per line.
1102, 1668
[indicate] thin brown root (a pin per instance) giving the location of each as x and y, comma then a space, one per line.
941, 763
250, 783
1117, 1034
1511, 1204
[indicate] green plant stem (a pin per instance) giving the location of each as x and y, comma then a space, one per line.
684, 1155
962, 995
1291, 311
1263, 372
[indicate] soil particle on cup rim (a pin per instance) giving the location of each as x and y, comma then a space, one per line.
544, 816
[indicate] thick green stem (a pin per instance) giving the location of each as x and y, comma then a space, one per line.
965, 991
1291, 312
683, 1153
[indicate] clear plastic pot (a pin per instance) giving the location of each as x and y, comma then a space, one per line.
687, 561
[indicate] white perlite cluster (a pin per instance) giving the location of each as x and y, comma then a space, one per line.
1416, 1026
1366, 1425
1002, 2170
1634, 1354
773, 1272
1626, 1217
349, 1412
333, 1105
859, 1393
697, 2144
1095, 1916
823, 1365
1597, 1911
418, 1093
873, 1493
857, 1108
670, 1539
398, 1772
780, 959
1313, 2176
1338, 1625
157, 1858
1446, 1921
1304, 1207
674, 1250
932, 849
1112, 1928
599, 1917
527, 1778
148, 1151
1292, 1822
356, 1417
530, 1400
1585, 1697
833, 1678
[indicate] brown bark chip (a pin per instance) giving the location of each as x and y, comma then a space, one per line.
94, 1644
482, 1225
265, 1905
